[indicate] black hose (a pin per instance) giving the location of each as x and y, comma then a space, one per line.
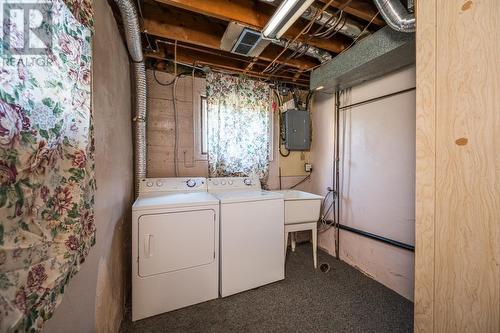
284, 154
281, 138
303, 180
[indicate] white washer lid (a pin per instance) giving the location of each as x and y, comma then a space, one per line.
245, 196
174, 200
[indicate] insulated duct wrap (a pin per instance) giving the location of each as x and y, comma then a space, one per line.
133, 37
300, 47
340, 23
396, 15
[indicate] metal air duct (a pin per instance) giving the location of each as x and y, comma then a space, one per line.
235, 33
396, 15
343, 24
133, 38
308, 50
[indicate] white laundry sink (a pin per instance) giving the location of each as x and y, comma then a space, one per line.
301, 206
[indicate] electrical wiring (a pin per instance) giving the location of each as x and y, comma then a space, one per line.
287, 46
176, 121
227, 70
337, 17
162, 83
284, 154
192, 164
350, 45
325, 224
308, 37
334, 31
361, 34
150, 46
302, 181
280, 146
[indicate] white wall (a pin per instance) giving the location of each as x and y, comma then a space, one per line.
378, 176
93, 300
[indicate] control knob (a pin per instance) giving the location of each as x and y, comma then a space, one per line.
149, 184
247, 181
191, 183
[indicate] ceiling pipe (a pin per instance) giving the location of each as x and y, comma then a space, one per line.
396, 15
133, 38
331, 21
305, 49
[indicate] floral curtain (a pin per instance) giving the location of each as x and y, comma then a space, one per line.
46, 166
239, 126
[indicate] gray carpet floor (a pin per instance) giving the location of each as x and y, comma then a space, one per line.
308, 300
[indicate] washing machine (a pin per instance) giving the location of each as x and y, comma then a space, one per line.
175, 245
251, 234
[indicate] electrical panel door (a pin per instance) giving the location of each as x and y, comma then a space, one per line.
297, 125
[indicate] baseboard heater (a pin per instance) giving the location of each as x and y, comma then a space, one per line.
378, 238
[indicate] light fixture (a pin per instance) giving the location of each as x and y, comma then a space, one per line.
319, 88
287, 13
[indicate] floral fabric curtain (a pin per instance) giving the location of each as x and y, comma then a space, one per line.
239, 126
46, 166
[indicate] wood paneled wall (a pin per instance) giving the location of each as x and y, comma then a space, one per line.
457, 287
161, 134
161, 126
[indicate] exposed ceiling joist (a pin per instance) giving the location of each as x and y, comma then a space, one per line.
189, 57
254, 15
362, 9
198, 30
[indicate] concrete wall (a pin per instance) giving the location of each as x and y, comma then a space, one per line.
161, 134
94, 298
378, 176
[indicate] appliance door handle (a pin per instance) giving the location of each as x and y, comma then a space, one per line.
148, 245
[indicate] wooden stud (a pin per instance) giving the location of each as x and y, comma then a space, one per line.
254, 15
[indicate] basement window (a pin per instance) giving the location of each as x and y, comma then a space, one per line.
203, 126
200, 117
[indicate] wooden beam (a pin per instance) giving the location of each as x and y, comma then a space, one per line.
161, 64
168, 23
364, 10
191, 57
254, 15
177, 25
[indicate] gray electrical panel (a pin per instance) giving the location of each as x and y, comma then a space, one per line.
297, 127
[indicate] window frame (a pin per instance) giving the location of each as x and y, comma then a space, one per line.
198, 128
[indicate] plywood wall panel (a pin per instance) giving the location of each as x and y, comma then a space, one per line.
467, 290
161, 127
425, 166
458, 122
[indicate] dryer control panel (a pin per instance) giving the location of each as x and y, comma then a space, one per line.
181, 184
233, 183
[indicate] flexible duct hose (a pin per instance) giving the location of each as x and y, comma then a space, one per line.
133, 38
396, 15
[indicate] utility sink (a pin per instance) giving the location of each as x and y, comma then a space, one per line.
301, 206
